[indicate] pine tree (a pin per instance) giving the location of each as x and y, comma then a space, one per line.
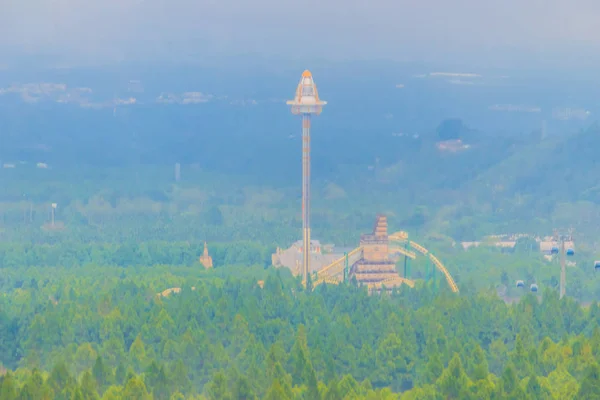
534, 390
151, 374
101, 374
299, 357
60, 378
520, 359
276, 392
590, 385
433, 369
333, 391
177, 396
454, 381
8, 391
88, 387
312, 385
179, 377
242, 389
137, 353
348, 386
480, 364
283, 379
120, 374
34, 388
135, 389
161, 386
509, 379
218, 389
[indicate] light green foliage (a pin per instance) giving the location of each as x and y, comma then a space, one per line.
104, 333
135, 389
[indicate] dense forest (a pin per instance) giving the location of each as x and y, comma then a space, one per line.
485, 268
498, 185
89, 332
95, 224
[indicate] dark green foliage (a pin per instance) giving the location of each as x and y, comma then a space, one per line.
104, 334
101, 373
218, 389
590, 385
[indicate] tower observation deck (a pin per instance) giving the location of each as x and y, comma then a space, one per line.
305, 103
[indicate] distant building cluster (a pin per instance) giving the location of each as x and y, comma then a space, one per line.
452, 146
570, 113
515, 108
321, 255
12, 165
184, 98
509, 241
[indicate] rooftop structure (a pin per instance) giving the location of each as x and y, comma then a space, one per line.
547, 245
293, 256
305, 103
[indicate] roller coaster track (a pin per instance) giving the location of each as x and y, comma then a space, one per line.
337, 267
333, 280
333, 273
403, 237
403, 251
391, 282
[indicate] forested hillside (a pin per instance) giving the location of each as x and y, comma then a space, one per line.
497, 185
95, 332
95, 223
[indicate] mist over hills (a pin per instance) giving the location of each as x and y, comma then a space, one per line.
527, 144
126, 115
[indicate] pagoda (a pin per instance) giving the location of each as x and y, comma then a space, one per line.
205, 259
375, 266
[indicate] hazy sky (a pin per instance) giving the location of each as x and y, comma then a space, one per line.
487, 31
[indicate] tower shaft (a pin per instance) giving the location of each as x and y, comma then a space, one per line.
305, 196
563, 272
305, 103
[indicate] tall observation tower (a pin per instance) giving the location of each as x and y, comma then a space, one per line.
305, 103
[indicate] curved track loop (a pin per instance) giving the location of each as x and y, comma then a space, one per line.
333, 273
402, 251
403, 237
444, 271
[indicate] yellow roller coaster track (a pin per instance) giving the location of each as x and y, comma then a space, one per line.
391, 282
403, 251
332, 273
403, 237
327, 279
337, 267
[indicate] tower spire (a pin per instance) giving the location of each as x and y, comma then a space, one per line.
305, 103
205, 258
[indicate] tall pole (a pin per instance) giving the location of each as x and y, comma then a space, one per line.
563, 272
406, 273
305, 103
306, 195
561, 237
54, 205
346, 268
